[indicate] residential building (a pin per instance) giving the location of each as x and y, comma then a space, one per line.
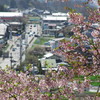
4, 35
11, 16
14, 19
15, 27
47, 64
53, 23
51, 61
54, 43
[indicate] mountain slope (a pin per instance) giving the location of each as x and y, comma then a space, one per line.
52, 5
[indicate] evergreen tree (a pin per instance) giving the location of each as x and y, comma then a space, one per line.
13, 4
2, 8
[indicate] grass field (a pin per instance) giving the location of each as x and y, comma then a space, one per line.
94, 79
42, 40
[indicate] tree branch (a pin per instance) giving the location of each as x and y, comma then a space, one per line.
11, 95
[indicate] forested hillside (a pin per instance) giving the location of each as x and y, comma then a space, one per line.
52, 5
23, 4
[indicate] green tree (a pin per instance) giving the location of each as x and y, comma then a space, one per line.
13, 4
31, 58
39, 51
1, 53
2, 8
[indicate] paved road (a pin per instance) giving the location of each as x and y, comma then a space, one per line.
15, 51
6, 61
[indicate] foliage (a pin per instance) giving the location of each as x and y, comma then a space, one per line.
81, 52
39, 51
95, 78
1, 53
32, 57
54, 86
13, 4
2, 8
42, 40
95, 83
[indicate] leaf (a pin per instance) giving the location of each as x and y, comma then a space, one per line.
10, 89
48, 94
63, 98
1, 82
91, 42
85, 3
70, 9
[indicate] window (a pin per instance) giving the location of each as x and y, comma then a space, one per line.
34, 25
30, 26
50, 27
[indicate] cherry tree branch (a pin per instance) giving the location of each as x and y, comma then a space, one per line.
11, 95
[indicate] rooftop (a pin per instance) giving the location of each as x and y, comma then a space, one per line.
34, 18
57, 18
1, 37
60, 14
58, 39
11, 14
48, 55
48, 63
15, 23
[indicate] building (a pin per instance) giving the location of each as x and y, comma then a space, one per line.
51, 61
34, 26
11, 16
4, 34
15, 27
54, 43
47, 64
14, 19
53, 23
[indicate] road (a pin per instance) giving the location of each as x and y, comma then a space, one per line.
15, 52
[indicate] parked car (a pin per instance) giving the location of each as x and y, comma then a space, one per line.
36, 35
13, 49
31, 34
17, 45
13, 61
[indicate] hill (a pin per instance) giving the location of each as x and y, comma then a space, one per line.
51, 5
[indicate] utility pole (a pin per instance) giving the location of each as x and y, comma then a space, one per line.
10, 36
33, 69
20, 49
11, 60
26, 42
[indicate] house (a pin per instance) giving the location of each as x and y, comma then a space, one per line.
51, 61
54, 43
52, 23
48, 64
